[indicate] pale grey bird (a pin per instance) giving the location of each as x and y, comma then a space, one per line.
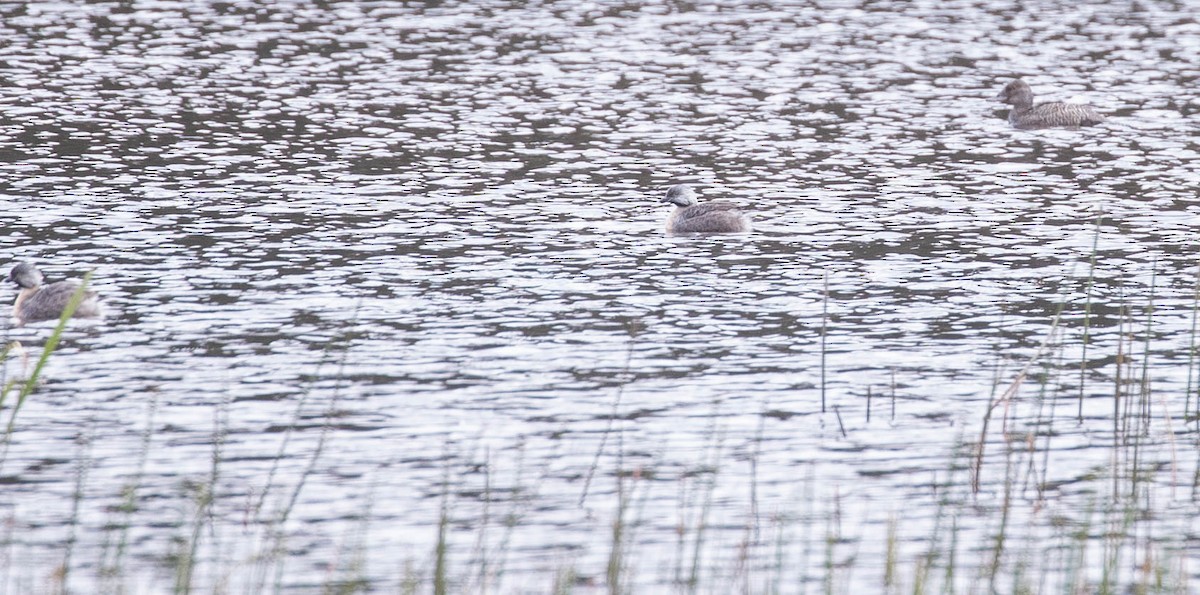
1026, 115
690, 216
37, 302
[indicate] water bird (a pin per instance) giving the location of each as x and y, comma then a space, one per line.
690, 216
37, 302
1027, 116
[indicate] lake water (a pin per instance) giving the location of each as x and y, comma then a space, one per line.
384, 271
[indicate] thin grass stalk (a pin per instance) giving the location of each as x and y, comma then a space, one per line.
1120, 521
752, 534
616, 552
483, 573
1144, 400
848, 567
681, 528
1142, 433
833, 532
1162, 401
440, 563
893, 383
1116, 418
1009, 394
685, 561
1132, 443
1183, 575
944, 505
564, 579
496, 570
282, 515
1087, 312
1053, 560
621, 568
1056, 380
890, 559
1020, 575
272, 537
755, 454
481, 545
83, 465
281, 453
1196, 480
926, 563
114, 569
998, 368
1146, 574
612, 418
1187, 400
808, 503
1036, 475
1076, 567
999, 544
7, 574
824, 334
411, 580
354, 577
951, 558
205, 497
1129, 419
615, 568
1032, 473
6, 384
706, 507
775, 583
921, 576
277, 534
1052, 376
639, 518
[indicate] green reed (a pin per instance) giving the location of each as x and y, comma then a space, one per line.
891, 560
441, 579
833, 529
615, 571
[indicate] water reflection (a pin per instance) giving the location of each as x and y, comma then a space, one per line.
374, 254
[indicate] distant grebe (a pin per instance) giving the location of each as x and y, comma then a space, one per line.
1026, 115
711, 217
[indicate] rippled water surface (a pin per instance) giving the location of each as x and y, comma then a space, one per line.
384, 271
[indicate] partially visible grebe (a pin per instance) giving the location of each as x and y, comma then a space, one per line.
37, 302
691, 216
